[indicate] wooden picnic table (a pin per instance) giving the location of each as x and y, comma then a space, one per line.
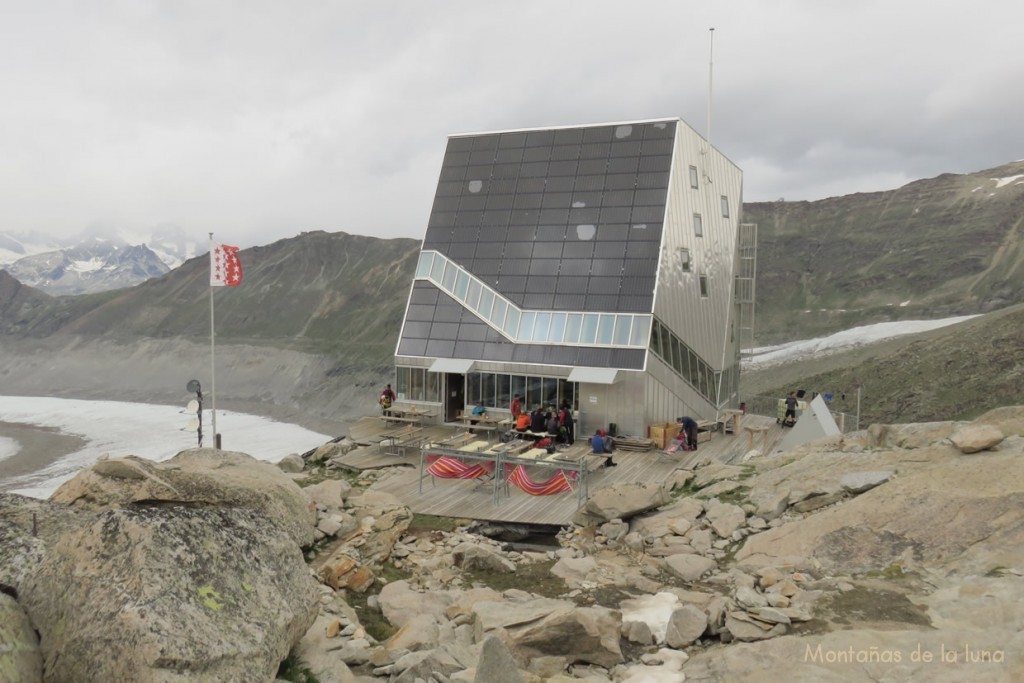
396, 419
412, 411
400, 438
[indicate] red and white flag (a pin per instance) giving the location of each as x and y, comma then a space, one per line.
225, 268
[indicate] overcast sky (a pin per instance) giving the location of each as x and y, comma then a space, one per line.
258, 120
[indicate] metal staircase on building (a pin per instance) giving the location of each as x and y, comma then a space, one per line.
745, 284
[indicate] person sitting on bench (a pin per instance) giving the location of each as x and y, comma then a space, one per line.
601, 445
538, 422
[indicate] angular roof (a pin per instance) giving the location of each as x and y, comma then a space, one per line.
566, 219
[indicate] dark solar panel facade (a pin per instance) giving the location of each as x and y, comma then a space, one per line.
554, 220
566, 219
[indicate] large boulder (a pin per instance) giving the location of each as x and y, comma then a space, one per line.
474, 557
200, 476
669, 520
540, 627
620, 501
943, 510
689, 567
399, 603
28, 526
20, 657
974, 438
172, 594
383, 519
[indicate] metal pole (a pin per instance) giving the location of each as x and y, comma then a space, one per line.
711, 66
213, 353
858, 406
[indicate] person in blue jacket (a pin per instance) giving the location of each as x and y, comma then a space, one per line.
601, 445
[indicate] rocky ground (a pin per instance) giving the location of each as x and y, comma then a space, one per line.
890, 554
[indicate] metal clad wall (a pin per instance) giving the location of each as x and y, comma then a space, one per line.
621, 403
667, 396
702, 322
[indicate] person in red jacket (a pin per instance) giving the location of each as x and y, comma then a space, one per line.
517, 407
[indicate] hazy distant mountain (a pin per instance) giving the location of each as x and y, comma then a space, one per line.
101, 258
94, 266
14, 246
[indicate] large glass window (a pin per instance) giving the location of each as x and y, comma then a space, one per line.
473, 296
684, 361
526, 321
402, 382
423, 266
498, 314
725, 206
622, 327
472, 388
693, 177
698, 225
550, 388
589, 332
573, 323
486, 301
557, 331
448, 281
487, 386
534, 395
433, 387
519, 387
416, 385
567, 392
437, 269
540, 328
605, 328
502, 391
703, 279
641, 330
511, 326
461, 285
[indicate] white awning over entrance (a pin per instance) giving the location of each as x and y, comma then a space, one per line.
457, 365
594, 375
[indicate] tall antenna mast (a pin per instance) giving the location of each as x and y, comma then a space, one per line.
711, 65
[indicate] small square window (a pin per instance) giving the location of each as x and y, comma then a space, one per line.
684, 259
725, 206
703, 285
693, 177
698, 225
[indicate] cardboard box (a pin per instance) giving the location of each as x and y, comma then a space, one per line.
662, 434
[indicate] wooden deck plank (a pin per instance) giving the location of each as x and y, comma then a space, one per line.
471, 500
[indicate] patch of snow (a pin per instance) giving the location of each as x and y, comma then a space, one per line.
769, 356
653, 610
8, 447
977, 189
1001, 182
90, 266
905, 303
148, 431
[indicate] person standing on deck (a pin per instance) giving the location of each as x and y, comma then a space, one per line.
517, 408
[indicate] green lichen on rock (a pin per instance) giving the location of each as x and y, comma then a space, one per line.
210, 597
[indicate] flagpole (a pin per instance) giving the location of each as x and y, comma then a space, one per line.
213, 374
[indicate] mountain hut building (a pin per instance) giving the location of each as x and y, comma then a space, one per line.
603, 265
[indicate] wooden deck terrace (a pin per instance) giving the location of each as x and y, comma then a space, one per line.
475, 500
